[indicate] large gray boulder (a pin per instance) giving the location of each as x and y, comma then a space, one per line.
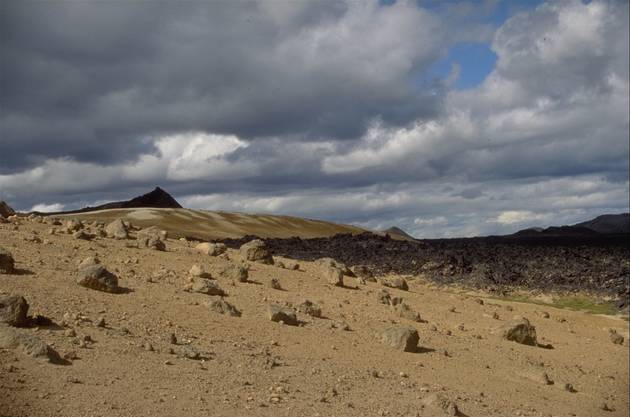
403, 338
97, 277
13, 310
256, 251
117, 230
519, 331
7, 264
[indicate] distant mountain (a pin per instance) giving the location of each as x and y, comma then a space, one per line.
158, 198
397, 232
604, 224
608, 223
6, 210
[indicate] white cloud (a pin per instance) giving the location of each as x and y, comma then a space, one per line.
48, 208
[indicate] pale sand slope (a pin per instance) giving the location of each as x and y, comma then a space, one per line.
217, 225
320, 371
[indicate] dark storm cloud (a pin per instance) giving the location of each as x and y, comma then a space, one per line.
93, 80
320, 109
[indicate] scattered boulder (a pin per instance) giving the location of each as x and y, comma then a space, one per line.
89, 261
275, 284
285, 263
5, 210
310, 308
383, 297
152, 238
188, 352
519, 331
204, 286
278, 314
236, 272
363, 272
219, 305
257, 251
13, 310
615, 337
334, 276
440, 403
98, 278
403, 338
81, 235
396, 282
211, 249
325, 263
117, 230
31, 345
7, 264
406, 312
197, 271
72, 226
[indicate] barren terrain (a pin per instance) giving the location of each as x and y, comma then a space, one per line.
334, 365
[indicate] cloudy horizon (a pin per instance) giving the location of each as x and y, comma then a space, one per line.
446, 119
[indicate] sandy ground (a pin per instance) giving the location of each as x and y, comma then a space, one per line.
254, 366
217, 225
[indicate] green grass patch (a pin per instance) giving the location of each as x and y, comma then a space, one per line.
574, 302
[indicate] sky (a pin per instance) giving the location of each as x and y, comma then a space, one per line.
444, 118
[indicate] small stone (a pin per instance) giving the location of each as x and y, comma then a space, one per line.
615, 337
569, 387
334, 276
100, 322
310, 308
520, 331
275, 284
440, 403
219, 305
397, 282
70, 333
7, 264
172, 339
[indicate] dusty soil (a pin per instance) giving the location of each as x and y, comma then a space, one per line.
253, 366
